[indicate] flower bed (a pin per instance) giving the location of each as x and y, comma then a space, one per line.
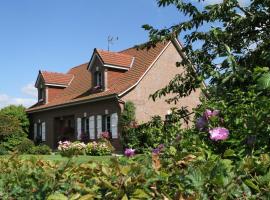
100, 148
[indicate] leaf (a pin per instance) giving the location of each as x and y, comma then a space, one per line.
140, 194
125, 197
87, 197
229, 153
57, 196
264, 81
251, 185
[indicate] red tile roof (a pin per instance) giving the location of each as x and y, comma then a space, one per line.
80, 88
116, 59
56, 78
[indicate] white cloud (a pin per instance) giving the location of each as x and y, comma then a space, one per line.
30, 90
6, 100
241, 2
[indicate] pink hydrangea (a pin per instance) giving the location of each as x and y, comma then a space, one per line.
209, 113
219, 133
129, 152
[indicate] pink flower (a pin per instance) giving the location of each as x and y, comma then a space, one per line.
129, 152
219, 133
209, 113
105, 135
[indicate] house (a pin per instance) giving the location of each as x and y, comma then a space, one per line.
89, 98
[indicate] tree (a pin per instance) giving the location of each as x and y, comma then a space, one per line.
233, 53
8, 125
19, 113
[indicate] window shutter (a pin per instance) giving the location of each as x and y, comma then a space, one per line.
43, 131
114, 125
79, 128
99, 126
92, 127
35, 131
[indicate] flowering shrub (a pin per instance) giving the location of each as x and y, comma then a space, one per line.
98, 149
105, 135
129, 152
219, 133
69, 149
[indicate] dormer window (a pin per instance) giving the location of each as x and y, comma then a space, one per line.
41, 94
98, 79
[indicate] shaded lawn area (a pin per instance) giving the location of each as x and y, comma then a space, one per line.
59, 158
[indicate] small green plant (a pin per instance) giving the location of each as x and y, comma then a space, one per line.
41, 150
25, 147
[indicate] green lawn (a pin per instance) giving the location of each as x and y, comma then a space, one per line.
59, 158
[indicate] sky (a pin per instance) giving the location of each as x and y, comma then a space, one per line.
55, 35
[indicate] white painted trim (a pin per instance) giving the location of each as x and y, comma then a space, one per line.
57, 85
71, 79
94, 55
73, 103
114, 66
131, 64
121, 94
47, 95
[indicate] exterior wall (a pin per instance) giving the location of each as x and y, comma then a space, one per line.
156, 78
53, 92
79, 111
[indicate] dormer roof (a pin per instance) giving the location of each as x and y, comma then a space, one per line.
112, 59
55, 78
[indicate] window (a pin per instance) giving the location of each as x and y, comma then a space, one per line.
106, 123
40, 94
85, 125
98, 79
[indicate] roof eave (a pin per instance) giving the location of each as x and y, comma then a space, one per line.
73, 103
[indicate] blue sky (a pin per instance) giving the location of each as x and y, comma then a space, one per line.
56, 35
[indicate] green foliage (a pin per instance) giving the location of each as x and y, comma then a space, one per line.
26, 146
127, 120
223, 44
19, 113
200, 175
41, 150
246, 115
147, 136
9, 125
13, 127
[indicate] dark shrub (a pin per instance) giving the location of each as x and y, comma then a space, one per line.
41, 150
3, 150
25, 147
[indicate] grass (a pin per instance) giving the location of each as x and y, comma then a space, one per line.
59, 158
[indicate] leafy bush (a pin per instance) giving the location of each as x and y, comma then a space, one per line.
41, 150
149, 135
9, 125
26, 146
3, 150
19, 113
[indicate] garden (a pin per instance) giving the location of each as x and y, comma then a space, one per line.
225, 152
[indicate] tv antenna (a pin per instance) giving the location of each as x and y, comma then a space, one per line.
111, 41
